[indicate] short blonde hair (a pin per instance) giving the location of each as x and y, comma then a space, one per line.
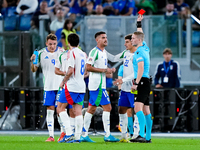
139, 35
51, 36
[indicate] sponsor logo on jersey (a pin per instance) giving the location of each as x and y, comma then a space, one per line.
46, 57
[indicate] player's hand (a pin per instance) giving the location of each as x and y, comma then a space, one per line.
61, 84
109, 70
159, 86
64, 73
113, 70
134, 87
140, 17
117, 82
32, 57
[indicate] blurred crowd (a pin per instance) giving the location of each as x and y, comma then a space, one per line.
59, 10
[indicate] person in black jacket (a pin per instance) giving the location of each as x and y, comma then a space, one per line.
168, 71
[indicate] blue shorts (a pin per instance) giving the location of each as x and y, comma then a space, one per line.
58, 97
99, 97
71, 97
49, 98
126, 99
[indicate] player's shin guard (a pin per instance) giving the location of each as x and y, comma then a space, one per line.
142, 122
136, 126
87, 122
66, 122
60, 123
78, 126
50, 122
72, 124
149, 123
123, 124
130, 125
106, 122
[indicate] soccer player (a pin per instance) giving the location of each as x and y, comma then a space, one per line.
74, 92
126, 99
131, 125
46, 59
141, 64
97, 66
60, 69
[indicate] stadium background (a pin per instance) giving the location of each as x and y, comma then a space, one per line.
172, 109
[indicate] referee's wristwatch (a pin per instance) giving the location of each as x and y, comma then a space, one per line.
135, 83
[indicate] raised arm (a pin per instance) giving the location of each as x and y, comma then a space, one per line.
139, 23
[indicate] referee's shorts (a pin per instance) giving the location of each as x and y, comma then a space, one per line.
143, 89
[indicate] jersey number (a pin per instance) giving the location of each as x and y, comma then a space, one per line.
82, 66
126, 63
53, 61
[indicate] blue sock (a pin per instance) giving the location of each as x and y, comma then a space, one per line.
130, 125
142, 122
149, 123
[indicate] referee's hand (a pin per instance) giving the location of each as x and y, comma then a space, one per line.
134, 87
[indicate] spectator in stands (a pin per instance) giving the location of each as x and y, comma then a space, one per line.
109, 7
61, 2
26, 7
185, 14
41, 11
96, 2
53, 9
12, 2
58, 22
148, 5
3, 4
170, 10
89, 8
125, 7
76, 8
168, 71
179, 5
98, 20
67, 29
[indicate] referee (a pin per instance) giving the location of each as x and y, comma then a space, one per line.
141, 65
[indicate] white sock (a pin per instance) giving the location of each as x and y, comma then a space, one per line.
78, 126
106, 122
66, 122
61, 125
136, 127
72, 124
50, 122
123, 119
87, 122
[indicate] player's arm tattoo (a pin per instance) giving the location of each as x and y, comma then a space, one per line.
68, 74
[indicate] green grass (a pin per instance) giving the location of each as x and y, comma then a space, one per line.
37, 142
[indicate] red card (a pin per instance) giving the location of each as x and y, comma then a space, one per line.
141, 12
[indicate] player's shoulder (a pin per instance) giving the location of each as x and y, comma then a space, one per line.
93, 51
60, 49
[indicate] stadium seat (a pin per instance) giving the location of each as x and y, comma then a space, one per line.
25, 22
11, 11
58, 34
196, 38
10, 23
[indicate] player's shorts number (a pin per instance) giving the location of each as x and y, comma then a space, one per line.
82, 66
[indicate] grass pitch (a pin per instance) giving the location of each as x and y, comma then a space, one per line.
36, 142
